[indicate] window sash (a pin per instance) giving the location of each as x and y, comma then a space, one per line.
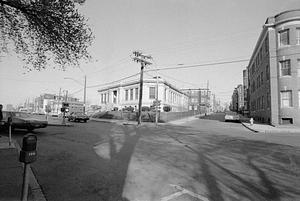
297, 36
285, 67
131, 94
298, 67
286, 98
299, 98
136, 93
151, 92
126, 94
284, 38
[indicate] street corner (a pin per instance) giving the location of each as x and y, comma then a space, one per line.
250, 127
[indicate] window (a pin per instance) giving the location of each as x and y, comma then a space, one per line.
261, 78
266, 44
262, 102
151, 92
267, 72
285, 67
126, 95
115, 96
298, 67
298, 36
299, 98
136, 93
283, 37
286, 98
131, 94
268, 100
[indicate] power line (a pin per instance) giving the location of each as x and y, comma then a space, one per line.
182, 66
76, 92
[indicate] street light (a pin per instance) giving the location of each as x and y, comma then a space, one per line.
84, 93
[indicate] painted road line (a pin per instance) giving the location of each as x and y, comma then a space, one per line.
181, 192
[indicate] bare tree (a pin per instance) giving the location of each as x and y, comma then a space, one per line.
44, 32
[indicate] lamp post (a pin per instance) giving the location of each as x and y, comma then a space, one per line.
84, 89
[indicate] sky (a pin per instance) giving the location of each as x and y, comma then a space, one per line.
173, 32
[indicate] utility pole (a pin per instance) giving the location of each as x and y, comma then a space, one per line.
84, 95
140, 58
156, 105
207, 96
58, 100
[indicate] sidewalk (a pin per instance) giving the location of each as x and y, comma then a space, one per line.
264, 128
11, 174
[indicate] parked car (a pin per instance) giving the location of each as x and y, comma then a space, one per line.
232, 116
22, 120
77, 116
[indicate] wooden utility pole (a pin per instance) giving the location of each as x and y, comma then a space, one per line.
140, 58
84, 95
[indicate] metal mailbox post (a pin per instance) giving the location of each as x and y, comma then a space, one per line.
28, 155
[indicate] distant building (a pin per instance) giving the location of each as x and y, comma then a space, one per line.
199, 99
274, 71
234, 101
10, 107
240, 98
122, 95
246, 93
54, 102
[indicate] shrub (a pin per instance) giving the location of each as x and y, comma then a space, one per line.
145, 108
130, 109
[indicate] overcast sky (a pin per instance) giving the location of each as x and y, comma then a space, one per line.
172, 31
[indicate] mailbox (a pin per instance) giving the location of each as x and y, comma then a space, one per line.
28, 153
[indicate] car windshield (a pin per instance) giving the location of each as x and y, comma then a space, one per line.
231, 113
78, 113
21, 114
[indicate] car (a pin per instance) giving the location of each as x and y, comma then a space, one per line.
77, 117
232, 116
22, 120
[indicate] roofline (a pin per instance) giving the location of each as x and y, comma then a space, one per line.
145, 81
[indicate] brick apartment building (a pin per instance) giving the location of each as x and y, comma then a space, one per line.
274, 71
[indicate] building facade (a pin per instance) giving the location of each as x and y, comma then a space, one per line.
124, 95
246, 93
53, 103
240, 98
274, 71
234, 101
199, 100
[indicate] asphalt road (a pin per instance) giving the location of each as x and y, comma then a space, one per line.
205, 159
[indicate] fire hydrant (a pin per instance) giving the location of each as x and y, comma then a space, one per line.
251, 122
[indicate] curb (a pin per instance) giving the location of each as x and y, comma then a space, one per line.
255, 131
62, 125
36, 189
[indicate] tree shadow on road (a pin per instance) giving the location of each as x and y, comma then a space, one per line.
238, 168
121, 147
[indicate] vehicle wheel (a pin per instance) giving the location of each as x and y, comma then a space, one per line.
69, 119
84, 121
